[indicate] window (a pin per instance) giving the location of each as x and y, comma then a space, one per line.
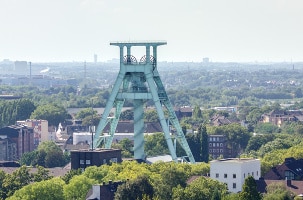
252, 174
81, 162
114, 160
244, 175
225, 175
87, 162
210, 144
221, 150
217, 144
289, 175
104, 161
257, 173
234, 176
234, 185
217, 175
210, 139
221, 144
210, 151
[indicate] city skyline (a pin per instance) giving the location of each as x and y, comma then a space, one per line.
224, 31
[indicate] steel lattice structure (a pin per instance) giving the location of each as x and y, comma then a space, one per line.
140, 81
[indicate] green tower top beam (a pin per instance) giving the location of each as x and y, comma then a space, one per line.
138, 43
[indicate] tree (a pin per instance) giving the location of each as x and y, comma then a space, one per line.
87, 112
44, 190
155, 144
78, 187
135, 189
54, 114
41, 175
249, 190
201, 188
127, 115
257, 141
151, 116
54, 159
15, 181
28, 158
197, 114
70, 174
278, 191
204, 143
48, 155
126, 145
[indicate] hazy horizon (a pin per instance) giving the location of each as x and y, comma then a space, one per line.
223, 31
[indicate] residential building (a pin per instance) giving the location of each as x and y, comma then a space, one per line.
97, 157
291, 169
217, 146
278, 117
233, 171
184, 111
16, 140
220, 120
104, 191
40, 128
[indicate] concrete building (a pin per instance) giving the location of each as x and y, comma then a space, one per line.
234, 171
16, 140
97, 157
40, 128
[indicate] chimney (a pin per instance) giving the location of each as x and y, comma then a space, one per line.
288, 182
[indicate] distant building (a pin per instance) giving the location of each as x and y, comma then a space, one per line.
15, 141
184, 111
277, 117
40, 128
206, 60
97, 157
220, 120
233, 171
20, 67
95, 58
217, 146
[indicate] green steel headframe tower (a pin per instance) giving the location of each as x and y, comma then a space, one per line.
140, 81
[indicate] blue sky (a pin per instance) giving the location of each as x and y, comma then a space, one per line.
223, 30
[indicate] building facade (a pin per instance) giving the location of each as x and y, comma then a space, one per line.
16, 140
40, 128
233, 171
97, 157
217, 146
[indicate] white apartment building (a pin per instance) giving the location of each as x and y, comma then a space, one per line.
233, 171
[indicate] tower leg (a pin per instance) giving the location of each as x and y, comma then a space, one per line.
152, 86
138, 130
109, 106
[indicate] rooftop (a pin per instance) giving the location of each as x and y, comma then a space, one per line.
235, 160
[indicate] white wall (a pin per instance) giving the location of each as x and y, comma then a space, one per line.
234, 171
